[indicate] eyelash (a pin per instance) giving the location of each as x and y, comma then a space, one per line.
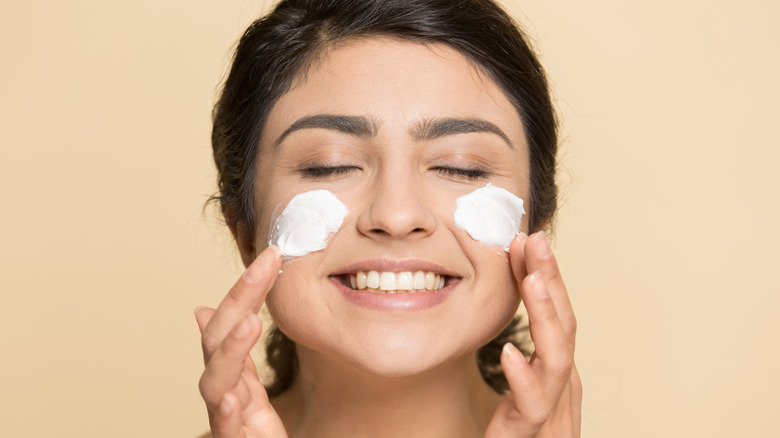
329, 171
325, 171
464, 172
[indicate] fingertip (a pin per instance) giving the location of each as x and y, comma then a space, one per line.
518, 372
508, 353
276, 251
518, 243
517, 256
542, 245
264, 262
202, 316
512, 356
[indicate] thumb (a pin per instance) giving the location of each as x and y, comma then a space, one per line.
524, 410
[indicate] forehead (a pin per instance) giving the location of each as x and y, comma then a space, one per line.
394, 81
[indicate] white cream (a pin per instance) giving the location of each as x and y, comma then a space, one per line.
490, 215
307, 222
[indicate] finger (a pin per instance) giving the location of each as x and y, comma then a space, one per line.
245, 297
561, 421
263, 415
565, 421
539, 257
553, 355
576, 400
517, 256
253, 388
524, 411
228, 362
203, 316
227, 419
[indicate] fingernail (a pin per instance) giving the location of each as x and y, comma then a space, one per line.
276, 250
226, 405
510, 353
197, 309
244, 328
521, 238
254, 272
543, 245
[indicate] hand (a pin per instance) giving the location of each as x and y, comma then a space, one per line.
545, 395
237, 403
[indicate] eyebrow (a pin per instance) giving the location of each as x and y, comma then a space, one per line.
432, 129
352, 125
366, 128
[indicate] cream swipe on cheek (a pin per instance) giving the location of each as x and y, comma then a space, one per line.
307, 222
490, 215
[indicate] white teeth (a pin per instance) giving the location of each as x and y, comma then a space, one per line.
361, 280
372, 279
387, 281
392, 282
405, 281
419, 280
430, 280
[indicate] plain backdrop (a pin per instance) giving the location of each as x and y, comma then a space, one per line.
667, 233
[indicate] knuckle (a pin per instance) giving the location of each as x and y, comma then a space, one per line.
532, 418
562, 366
237, 293
206, 389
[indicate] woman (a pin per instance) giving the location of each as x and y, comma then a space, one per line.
397, 109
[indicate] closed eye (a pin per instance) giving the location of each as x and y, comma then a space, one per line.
326, 171
464, 172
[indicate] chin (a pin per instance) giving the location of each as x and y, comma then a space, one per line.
407, 352
399, 361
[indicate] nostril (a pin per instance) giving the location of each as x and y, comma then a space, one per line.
382, 231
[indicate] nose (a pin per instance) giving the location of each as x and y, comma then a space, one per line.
397, 209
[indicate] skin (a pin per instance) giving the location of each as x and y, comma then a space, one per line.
389, 372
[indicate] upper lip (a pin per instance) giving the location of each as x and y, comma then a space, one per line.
389, 265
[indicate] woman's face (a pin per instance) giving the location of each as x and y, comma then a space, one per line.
397, 131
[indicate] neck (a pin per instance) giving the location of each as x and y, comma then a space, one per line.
334, 399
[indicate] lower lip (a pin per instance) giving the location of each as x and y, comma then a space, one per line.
397, 301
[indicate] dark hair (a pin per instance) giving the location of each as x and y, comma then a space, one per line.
278, 48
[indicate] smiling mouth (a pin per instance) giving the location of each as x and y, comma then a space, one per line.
386, 282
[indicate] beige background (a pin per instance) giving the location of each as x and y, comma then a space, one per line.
667, 235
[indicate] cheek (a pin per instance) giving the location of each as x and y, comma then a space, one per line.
294, 301
495, 291
269, 199
502, 282
262, 226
